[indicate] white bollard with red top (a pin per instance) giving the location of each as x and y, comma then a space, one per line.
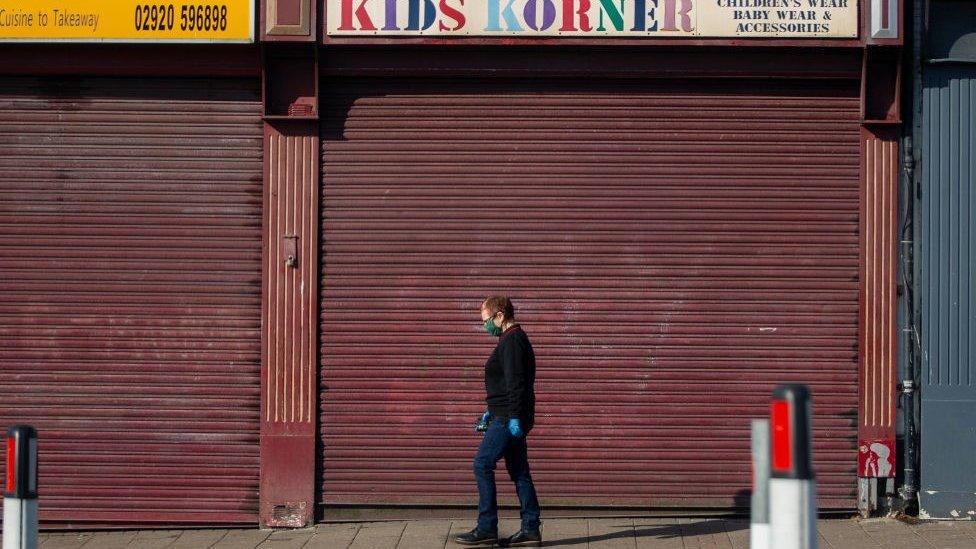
20, 493
792, 489
759, 524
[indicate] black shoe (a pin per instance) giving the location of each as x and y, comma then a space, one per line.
522, 539
476, 537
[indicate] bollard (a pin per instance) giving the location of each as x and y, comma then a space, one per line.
792, 491
759, 526
20, 494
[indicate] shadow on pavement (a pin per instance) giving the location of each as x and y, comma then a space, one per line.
666, 531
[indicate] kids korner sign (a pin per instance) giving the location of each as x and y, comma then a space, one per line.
594, 18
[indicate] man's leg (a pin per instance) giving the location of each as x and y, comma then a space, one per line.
517, 463
492, 448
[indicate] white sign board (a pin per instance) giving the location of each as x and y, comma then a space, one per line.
594, 18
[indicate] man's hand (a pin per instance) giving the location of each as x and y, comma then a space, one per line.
482, 424
515, 428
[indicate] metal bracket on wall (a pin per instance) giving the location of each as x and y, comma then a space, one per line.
289, 248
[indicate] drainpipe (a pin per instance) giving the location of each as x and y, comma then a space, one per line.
910, 249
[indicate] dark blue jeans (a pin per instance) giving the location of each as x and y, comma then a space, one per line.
498, 443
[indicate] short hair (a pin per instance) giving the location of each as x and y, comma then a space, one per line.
500, 304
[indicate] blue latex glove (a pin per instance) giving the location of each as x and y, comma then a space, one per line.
482, 424
515, 428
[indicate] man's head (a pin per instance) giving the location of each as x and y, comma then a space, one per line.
497, 308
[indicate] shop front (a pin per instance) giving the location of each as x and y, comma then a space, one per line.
690, 202
242, 284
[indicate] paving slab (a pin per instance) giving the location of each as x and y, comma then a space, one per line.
845, 533
425, 534
242, 539
698, 533
967, 526
154, 539
111, 540
287, 539
941, 533
379, 535
944, 535
333, 536
657, 533
892, 534
72, 540
457, 527
611, 533
564, 533
198, 539
738, 532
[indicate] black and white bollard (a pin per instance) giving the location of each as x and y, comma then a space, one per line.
20, 495
792, 490
759, 527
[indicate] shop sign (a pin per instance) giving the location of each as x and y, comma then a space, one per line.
127, 21
594, 18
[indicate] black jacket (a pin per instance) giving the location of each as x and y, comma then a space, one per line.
510, 378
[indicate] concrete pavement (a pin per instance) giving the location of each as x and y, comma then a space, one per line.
579, 533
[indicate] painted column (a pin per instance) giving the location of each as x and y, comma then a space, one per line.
289, 397
289, 365
879, 269
880, 162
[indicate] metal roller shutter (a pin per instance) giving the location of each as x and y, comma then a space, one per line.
130, 248
674, 248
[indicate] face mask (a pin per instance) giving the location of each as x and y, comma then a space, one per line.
492, 329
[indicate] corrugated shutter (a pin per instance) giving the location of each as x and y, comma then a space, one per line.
675, 250
130, 267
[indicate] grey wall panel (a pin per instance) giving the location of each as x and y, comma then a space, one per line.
948, 279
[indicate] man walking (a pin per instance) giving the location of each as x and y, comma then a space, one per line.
509, 380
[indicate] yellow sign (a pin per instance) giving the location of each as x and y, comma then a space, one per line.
127, 21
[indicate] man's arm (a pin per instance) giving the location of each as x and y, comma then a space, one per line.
513, 364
